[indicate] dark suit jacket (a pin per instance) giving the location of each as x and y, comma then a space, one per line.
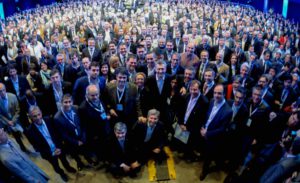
179, 70
238, 123
116, 155
97, 55
23, 86
216, 130
259, 121
67, 130
130, 102
197, 117
25, 66
39, 142
92, 123
49, 98
139, 133
80, 87
159, 101
215, 49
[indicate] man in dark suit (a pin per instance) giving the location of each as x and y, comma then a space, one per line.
286, 95
192, 115
44, 139
213, 131
149, 138
53, 95
121, 152
16, 84
235, 129
92, 52
90, 31
221, 48
173, 67
64, 68
209, 84
94, 120
47, 58
72, 135
122, 99
26, 61
50, 49
204, 64
255, 69
159, 88
82, 82
266, 94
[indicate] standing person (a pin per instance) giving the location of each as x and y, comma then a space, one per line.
191, 115
72, 135
44, 138
18, 163
95, 120
10, 115
123, 102
159, 87
213, 132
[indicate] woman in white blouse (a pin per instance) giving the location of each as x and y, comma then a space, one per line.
12, 51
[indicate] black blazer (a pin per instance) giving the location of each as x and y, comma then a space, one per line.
97, 55
198, 115
23, 86
67, 130
49, 98
116, 155
217, 127
39, 142
139, 133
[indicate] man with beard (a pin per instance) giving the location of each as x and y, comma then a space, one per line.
94, 119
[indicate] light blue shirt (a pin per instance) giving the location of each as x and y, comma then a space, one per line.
150, 130
16, 86
214, 111
45, 132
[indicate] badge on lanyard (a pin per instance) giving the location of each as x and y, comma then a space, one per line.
103, 116
76, 132
249, 122
119, 107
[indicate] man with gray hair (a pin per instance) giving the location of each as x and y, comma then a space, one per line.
150, 137
121, 153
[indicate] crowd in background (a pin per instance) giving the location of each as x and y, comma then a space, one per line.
113, 82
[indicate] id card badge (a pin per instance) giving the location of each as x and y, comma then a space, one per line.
119, 107
103, 116
249, 122
76, 132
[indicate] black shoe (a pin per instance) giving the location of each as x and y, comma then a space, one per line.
71, 169
203, 175
64, 177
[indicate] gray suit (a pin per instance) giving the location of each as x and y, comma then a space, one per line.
11, 113
20, 165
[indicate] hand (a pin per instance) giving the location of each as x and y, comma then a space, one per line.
126, 168
11, 123
254, 142
142, 119
183, 127
57, 152
80, 143
203, 132
135, 165
182, 91
113, 113
156, 150
277, 102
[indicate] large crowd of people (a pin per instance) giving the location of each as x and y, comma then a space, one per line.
114, 82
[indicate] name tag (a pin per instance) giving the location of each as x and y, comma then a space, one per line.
249, 122
103, 116
76, 132
119, 107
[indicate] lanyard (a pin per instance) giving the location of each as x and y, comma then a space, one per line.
101, 110
71, 120
120, 95
57, 93
252, 112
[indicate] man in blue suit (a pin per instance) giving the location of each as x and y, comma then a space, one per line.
213, 132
